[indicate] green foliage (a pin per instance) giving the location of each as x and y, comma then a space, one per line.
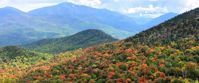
80, 40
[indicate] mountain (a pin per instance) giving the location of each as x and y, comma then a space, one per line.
180, 27
79, 40
6, 11
138, 59
82, 17
17, 27
159, 20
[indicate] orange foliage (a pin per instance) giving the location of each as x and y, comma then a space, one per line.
130, 51
44, 68
108, 55
144, 65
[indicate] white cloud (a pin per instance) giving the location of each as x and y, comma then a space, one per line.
189, 4
92, 3
150, 11
3, 3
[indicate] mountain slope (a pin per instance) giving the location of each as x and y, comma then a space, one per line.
9, 53
79, 40
16, 60
82, 17
124, 62
182, 26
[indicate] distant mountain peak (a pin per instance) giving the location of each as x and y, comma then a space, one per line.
65, 3
9, 10
92, 31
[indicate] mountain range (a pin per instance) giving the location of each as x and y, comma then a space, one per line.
165, 53
17, 27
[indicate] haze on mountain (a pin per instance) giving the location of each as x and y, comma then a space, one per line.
17, 27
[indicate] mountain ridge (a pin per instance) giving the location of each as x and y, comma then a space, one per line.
79, 40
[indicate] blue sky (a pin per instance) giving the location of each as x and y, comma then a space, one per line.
148, 8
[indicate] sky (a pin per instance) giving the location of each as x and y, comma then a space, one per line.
145, 8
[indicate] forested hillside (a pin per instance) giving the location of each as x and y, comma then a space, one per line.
79, 40
15, 60
180, 27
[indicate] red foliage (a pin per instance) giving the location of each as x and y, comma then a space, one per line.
119, 80
111, 74
130, 51
128, 80
37, 77
161, 65
162, 75
72, 76
62, 77
48, 74
142, 80
119, 51
133, 64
